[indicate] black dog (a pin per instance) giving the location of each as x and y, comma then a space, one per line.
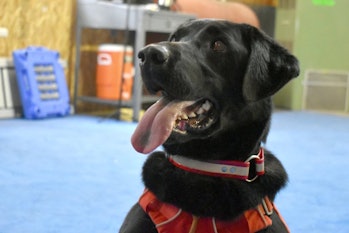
216, 80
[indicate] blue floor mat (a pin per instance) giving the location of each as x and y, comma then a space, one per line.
78, 174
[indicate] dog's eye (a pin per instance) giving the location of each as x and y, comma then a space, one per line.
218, 46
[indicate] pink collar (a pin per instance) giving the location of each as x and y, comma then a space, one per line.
221, 168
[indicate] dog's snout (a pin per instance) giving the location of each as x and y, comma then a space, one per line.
156, 54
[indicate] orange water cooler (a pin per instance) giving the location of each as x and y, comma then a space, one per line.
109, 72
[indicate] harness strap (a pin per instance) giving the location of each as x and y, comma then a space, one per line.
168, 218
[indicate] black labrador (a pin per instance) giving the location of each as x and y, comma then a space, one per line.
216, 79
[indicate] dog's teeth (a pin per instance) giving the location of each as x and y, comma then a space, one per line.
184, 117
192, 115
206, 105
200, 111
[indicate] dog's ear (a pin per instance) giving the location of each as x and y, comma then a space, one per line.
269, 68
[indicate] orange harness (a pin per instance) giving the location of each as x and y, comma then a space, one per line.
170, 219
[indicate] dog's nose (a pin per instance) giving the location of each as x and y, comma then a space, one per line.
157, 54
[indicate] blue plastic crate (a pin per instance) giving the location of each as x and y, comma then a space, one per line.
41, 83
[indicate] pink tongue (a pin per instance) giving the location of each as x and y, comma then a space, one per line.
156, 125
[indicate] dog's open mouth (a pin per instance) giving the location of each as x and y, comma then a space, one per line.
165, 117
196, 117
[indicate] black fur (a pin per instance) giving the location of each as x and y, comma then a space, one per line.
238, 68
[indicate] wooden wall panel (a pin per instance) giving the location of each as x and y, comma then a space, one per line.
48, 23
37, 22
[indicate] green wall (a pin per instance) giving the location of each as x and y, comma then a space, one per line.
319, 37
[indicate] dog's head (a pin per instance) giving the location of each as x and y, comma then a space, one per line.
208, 72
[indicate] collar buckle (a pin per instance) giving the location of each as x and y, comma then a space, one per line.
259, 164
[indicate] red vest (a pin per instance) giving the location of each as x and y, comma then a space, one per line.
170, 219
